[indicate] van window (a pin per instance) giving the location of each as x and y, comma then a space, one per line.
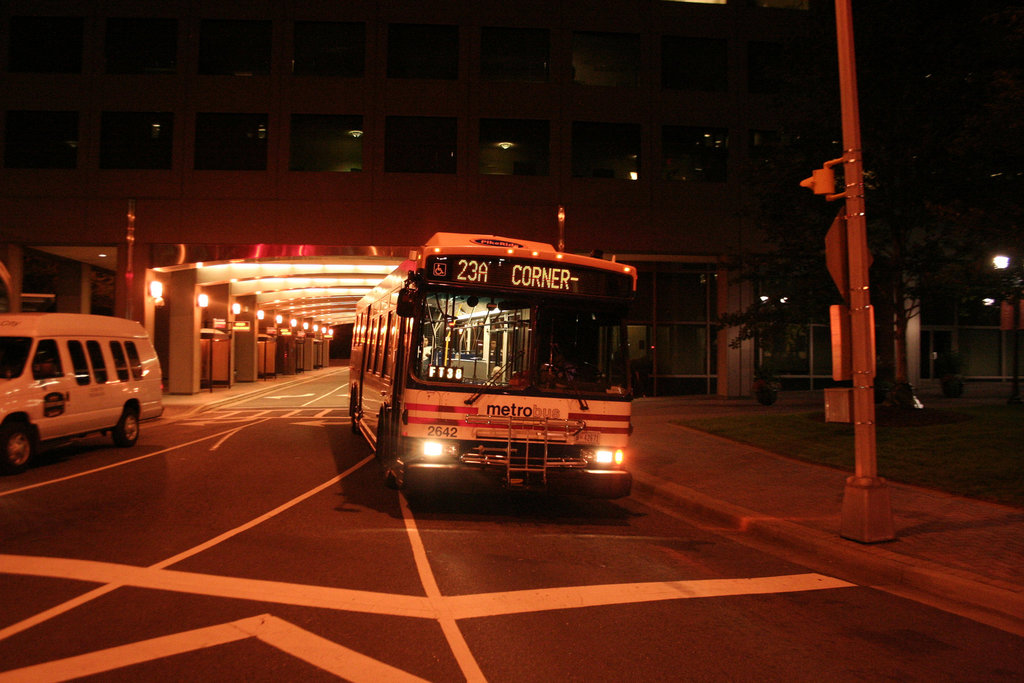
133, 359
99, 366
120, 364
78, 361
13, 354
46, 362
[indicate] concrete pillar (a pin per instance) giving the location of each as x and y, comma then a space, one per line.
308, 351
246, 363
184, 317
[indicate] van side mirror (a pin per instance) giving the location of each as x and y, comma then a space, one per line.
406, 303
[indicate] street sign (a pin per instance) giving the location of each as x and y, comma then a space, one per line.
842, 344
836, 255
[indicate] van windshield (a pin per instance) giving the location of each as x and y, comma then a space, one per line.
13, 354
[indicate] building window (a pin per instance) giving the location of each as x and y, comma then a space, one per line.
423, 51
514, 147
45, 45
136, 139
694, 64
141, 46
763, 67
784, 4
321, 142
420, 144
694, 153
329, 48
611, 59
231, 142
41, 139
515, 54
234, 48
606, 150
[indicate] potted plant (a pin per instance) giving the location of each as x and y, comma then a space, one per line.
765, 386
948, 368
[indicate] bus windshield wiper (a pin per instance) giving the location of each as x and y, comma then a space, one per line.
494, 378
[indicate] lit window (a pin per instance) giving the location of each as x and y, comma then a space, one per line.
322, 142
514, 147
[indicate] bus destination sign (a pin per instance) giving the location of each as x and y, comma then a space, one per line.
525, 274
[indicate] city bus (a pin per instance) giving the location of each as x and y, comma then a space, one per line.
496, 361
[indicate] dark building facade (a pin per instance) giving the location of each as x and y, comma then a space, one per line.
168, 133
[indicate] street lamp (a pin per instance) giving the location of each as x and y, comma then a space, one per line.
1014, 283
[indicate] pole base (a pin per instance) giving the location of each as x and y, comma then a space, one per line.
867, 512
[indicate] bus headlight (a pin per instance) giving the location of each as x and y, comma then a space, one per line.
437, 449
606, 457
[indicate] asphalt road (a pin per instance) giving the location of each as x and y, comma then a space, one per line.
256, 542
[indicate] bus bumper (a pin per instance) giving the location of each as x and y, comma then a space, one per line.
595, 483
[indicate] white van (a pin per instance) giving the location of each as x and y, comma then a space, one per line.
64, 375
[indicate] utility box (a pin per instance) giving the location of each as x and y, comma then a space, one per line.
839, 405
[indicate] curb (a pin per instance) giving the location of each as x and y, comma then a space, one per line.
993, 602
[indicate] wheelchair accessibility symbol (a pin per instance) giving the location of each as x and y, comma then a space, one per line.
440, 270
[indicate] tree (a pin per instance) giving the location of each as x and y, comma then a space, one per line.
940, 122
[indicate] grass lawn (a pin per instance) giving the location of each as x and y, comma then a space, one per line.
972, 451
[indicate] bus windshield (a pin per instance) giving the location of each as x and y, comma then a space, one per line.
475, 339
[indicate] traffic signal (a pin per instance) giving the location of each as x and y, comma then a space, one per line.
822, 181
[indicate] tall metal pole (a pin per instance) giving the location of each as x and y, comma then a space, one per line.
867, 512
129, 272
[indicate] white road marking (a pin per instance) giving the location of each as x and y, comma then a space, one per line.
576, 597
447, 610
284, 396
283, 635
321, 423
296, 594
103, 590
456, 641
233, 432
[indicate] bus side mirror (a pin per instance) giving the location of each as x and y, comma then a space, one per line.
406, 303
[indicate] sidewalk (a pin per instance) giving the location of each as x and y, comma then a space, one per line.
949, 548
963, 553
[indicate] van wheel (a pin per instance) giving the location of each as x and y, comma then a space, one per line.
126, 431
18, 447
